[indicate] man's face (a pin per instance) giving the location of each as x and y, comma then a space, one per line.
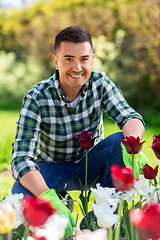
74, 62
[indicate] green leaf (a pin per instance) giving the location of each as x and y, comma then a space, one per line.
26, 233
90, 223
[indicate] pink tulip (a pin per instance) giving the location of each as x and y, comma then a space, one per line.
7, 218
100, 234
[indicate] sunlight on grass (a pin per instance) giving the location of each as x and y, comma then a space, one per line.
7, 128
6, 183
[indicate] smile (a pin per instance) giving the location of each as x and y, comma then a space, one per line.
76, 76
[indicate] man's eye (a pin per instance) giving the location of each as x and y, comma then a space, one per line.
84, 59
68, 59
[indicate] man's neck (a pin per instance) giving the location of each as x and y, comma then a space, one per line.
71, 94
72, 97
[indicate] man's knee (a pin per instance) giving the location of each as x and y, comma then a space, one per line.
18, 188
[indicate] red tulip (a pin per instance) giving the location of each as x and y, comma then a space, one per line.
122, 177
85, 140
147, 221
132, 144
149, 172
36, 211
156, 145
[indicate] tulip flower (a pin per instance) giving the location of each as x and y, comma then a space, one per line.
102, 194
142, 186
7, 218
122, 177
104, 213
149, 172
132, 144
54, 228
36, 211
85, 140
15, 201
100, 234
147, 221
156, 145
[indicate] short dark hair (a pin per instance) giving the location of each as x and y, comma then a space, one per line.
72, 34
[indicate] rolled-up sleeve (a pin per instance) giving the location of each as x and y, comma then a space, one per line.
26, 140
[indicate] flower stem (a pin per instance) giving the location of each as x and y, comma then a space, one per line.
26, 233
131, 225
137, 236
86, 171
155, 182
126, 229
110, 233
117, 230
133, 163
9, 235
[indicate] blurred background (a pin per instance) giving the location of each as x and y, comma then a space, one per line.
126, 36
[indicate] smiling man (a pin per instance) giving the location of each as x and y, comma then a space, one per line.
74, 62
46, 154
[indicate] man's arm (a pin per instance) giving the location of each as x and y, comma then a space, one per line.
34, 182
133, 127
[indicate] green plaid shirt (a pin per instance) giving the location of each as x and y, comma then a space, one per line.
48, 125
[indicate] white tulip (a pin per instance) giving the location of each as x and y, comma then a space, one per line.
127, 195
103, 194
54, 228
105, 214
15, 201
142, 185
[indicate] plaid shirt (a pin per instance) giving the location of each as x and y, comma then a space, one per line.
48, 125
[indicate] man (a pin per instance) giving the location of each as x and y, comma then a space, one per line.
46, 154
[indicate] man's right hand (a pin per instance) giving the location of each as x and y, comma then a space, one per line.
52, 197
140, 159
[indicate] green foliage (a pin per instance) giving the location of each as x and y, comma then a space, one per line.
17, 77
7, 128
6, 185
125, 32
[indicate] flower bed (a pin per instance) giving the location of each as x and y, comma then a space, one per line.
130, 210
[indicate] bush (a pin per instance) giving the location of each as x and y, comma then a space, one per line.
17, 77
132, 61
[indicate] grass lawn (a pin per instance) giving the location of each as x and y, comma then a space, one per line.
8, 126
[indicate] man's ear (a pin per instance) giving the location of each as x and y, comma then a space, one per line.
55, 61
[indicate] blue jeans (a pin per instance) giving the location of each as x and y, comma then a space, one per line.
66, 176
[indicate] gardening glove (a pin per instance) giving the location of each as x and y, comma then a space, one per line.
52, 197
140, 159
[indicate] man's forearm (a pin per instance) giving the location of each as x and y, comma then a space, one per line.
34, 182
133, 127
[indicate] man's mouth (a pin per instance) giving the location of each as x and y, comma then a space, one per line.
76, 76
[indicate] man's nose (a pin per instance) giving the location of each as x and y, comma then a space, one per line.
77, 67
